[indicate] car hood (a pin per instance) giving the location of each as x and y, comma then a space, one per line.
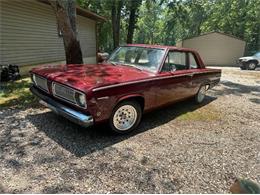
247, 58
87, 76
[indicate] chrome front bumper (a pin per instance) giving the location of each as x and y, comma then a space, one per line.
60, 109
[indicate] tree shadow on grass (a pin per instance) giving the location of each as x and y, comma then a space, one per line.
16, 94
82, 141
235, 89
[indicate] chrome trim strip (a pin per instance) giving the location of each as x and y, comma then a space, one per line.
103, 98
145, 80
65, 111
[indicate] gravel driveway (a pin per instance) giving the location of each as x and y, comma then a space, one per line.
184, 148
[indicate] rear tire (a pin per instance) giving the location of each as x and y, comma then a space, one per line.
125, 117
200, 96
251, 65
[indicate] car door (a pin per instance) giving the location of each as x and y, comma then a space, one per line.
197, 76
175, 78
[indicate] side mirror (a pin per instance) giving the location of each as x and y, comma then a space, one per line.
173, 68
103, 57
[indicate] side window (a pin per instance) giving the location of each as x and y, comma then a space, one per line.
175, 61
193, 63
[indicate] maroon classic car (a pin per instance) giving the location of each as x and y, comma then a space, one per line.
135, 79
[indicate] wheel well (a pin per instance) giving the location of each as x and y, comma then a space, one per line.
137, 99
207, 84
255, 61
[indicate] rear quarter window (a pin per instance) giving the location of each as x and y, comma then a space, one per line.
193, 62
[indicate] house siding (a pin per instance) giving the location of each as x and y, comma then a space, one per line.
87, 36
216, 48
29, 34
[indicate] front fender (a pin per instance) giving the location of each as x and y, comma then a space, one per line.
124, 97
102, 107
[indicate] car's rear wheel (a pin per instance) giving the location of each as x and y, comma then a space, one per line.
200, 96
251, 65
125, 117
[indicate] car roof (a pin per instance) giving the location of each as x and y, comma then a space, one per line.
161, 47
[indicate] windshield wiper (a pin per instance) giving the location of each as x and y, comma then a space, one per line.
132, 66
114, 63
117, 63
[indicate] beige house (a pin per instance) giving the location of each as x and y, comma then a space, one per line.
29, 34
216, 48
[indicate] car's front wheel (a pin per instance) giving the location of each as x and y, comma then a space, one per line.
125, 117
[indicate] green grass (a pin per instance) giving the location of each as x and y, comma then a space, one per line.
207, 113
16, 94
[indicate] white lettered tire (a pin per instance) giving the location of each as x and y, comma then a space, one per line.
125, 117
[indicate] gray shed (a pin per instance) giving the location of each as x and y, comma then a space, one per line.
216, 48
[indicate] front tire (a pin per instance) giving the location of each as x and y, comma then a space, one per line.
125, 117
200, 96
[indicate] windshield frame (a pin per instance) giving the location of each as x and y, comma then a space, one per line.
139, 67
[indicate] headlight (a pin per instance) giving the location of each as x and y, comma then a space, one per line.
80, 99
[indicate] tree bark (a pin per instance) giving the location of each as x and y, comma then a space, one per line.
116, 17
65, 12
131, 26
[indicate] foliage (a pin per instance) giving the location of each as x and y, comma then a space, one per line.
16, 94
169, 21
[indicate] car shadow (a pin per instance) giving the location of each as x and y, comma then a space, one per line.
82, 141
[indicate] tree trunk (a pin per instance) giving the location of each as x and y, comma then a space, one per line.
131, 26
132, 19
65, 12
113, 16
116, 16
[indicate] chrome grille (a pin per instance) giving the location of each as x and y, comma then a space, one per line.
63, 92
41, 83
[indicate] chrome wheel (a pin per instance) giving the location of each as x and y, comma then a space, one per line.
201, 94
125, 117
251, 66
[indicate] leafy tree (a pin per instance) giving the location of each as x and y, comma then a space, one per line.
168, 21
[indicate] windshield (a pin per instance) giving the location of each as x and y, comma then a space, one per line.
138, 57
257, 54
